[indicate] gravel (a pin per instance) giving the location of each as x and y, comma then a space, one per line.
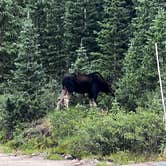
22, 160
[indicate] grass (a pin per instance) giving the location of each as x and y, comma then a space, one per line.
126, 157
53, 156
122, 157
6, 149
101, 164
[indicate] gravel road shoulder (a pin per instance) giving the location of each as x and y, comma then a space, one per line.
13, 160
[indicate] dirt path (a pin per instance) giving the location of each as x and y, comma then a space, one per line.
149, 164
12, 160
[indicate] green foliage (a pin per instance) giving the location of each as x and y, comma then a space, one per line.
114, 37
82, 133
101, 164
81, 25
126, 157
81, 65
118, 136
140, 70
50, 92
16, 111
10, 25
52, 42
8, 119
21, 109
52, 156
28, 76
66, 122
41, 40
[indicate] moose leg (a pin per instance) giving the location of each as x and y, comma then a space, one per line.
90, 99
90, 102
94, 103
67, 100
93, 95
60, 99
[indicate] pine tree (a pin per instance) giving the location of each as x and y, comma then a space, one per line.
93, 13
157, 34
28, 76
140, 62
52, 39
72, 37
81, 65
9, 119
10, 14
114, 37
81, 23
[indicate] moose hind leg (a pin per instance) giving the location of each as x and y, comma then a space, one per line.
93, 95
90, 103
67, 100
60, 99
92, 100
94, 103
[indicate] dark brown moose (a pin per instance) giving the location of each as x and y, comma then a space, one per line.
91, 84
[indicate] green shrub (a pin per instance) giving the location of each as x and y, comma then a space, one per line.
82, 132
92, 133
8, 119
65, 123
22, 107
126, 157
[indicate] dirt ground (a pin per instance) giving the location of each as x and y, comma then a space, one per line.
12, 160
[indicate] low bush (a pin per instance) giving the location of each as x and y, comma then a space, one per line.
14, 113
90, 132
22, 107
85, 132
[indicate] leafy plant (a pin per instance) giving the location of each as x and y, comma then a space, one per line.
98, 134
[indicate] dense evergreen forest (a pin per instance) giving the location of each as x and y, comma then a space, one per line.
42, 40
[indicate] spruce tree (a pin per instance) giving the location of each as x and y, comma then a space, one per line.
28, 76
157, 34
140, 74
10, 14
52, 40
81, 24
114, 37
9, 119
81, 65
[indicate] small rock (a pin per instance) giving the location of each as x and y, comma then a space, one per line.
42, 154
68, 157
33, 155
78, 164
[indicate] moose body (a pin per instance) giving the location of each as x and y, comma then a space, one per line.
91, 84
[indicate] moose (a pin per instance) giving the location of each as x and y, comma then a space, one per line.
91, 84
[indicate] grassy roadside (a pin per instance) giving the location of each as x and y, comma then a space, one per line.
118, 137
118, 158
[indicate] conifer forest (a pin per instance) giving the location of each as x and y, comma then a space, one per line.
41, 41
